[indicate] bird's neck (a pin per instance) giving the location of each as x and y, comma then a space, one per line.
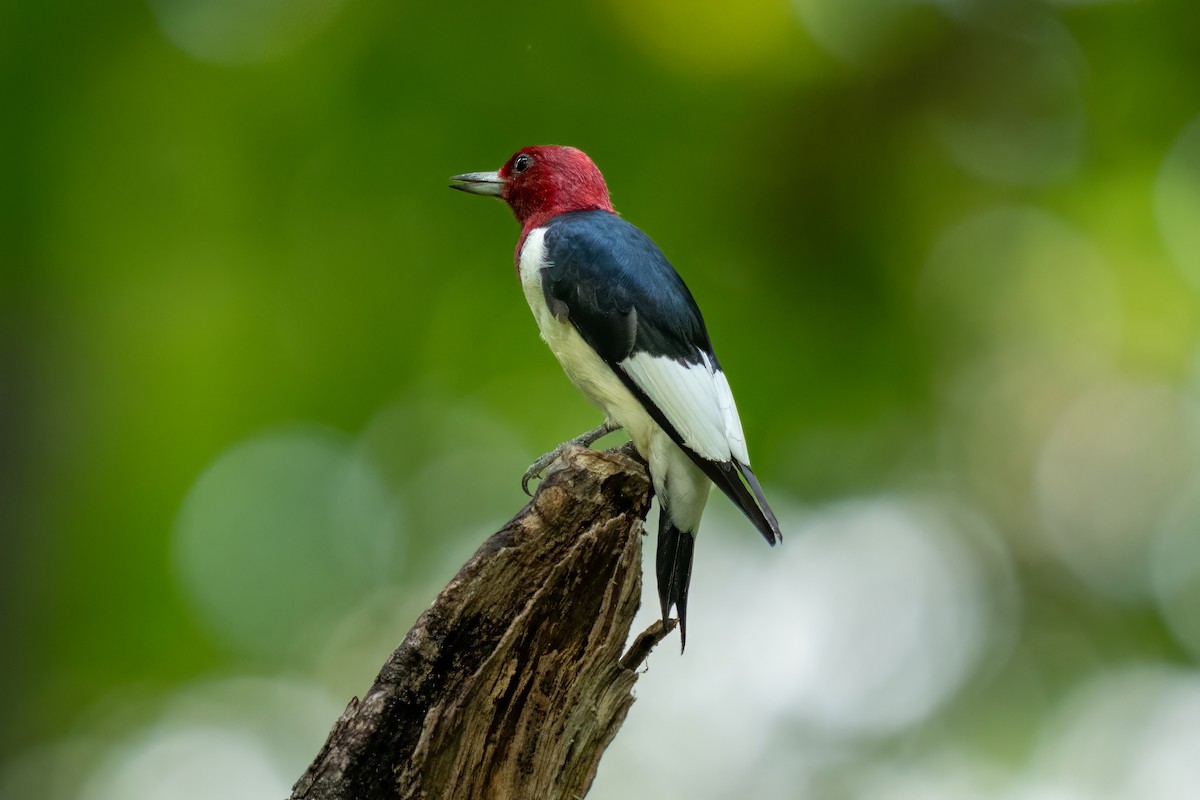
538, 219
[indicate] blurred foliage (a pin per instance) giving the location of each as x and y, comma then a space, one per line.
923, 235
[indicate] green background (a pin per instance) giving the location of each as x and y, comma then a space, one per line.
265, 381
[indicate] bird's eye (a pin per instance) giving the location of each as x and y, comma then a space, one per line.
522, 163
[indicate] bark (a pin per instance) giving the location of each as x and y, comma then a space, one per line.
516, 679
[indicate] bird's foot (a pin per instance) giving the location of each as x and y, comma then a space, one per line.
582, 440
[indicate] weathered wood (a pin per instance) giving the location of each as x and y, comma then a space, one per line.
513, 683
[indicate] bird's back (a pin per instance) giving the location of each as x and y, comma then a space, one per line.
615, 267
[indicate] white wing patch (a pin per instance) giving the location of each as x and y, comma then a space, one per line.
729, 412
696, 400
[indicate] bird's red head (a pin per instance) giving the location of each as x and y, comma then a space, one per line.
541, 182
544, 181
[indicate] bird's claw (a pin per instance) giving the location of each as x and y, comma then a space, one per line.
538, 467
583, 440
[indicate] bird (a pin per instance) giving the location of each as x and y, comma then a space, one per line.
629, 335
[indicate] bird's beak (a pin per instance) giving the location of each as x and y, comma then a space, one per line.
487, 183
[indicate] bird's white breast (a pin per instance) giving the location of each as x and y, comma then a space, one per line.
583, 366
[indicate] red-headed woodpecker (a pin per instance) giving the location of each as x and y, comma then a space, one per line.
629, 335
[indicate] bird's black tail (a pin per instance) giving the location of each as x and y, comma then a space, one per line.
674, 568
765, 513
751, 502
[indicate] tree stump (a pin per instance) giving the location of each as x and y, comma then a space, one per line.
515, 680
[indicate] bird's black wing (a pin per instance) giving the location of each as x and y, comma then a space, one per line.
627, 302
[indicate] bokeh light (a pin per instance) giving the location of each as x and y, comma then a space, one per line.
1175, 565
236, 738
865, 596
1023, 313
190, 764
1018, 278
1177, 202
999, 411
944, 775
1015, 110
1114, 461
1132, 735
241, 31
859, 30
283, 533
